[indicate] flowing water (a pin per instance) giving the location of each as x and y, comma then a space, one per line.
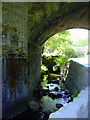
53, 98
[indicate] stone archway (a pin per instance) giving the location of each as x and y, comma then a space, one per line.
68, 16
35, 22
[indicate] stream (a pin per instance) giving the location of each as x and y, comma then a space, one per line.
54, 96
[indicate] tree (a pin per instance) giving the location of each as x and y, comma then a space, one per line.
59, 45
57, 40
64, 53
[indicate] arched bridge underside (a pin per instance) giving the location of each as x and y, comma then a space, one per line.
25, 27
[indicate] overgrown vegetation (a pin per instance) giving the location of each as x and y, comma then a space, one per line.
75, 94
56, 41
56, 51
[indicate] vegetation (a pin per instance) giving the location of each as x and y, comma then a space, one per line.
82, 42
75, 94
56, 41
65, 53
57, 49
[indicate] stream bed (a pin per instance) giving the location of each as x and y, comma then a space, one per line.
53, 96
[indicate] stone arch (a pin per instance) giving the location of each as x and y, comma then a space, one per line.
68, 16
36, 22
77, 19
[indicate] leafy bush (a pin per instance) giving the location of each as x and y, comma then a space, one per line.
69, 52
48, 62
75, 94
56, 40
64, 53
59, 46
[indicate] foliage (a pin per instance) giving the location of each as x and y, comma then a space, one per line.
61, 60
44, 68
55, 68
60, 47
69, 52
83, 42
65, 52
45, 77
55, 41
48, 62
75, 94
43, 85
80, 42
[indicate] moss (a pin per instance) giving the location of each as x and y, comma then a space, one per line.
39, 13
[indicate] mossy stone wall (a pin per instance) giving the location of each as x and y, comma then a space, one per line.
15, 20
14, 59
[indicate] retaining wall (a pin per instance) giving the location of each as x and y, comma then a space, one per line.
77, 78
